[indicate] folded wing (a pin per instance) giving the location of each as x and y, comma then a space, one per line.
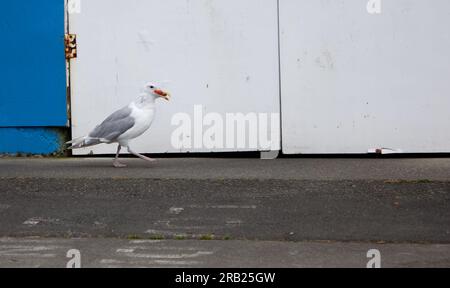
108, 131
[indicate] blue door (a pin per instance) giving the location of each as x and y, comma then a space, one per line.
32, 74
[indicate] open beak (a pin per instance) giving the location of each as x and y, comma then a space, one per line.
163, 94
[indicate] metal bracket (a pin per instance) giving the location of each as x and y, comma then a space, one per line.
383, 151
70, 41
269, 155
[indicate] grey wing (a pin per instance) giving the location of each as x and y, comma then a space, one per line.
115, 125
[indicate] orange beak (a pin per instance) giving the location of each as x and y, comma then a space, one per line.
163, 94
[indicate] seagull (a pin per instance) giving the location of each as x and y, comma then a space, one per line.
125, 124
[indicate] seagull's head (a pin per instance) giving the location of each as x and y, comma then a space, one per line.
156, 92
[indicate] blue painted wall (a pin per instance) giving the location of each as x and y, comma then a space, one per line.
30, 140
32, 74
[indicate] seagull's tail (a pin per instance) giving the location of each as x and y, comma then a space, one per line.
82, 142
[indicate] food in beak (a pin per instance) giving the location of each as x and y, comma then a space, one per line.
163, 94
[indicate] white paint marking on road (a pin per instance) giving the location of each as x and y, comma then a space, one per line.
32, 222
8, 249
234, 222
37, 220
174, 248
110, 261
150, 262
159, 232
27, 251
29, 255
177, 232
169, 256
176, 210
160, 248
171, 262
127, 250
223, 206
144, 241
163, 223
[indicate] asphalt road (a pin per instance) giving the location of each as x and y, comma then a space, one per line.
294, 210
285, 203
112, 253
211, 168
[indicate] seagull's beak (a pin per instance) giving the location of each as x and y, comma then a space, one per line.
163, 94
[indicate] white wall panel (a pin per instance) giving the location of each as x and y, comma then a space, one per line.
352, 81
222, 54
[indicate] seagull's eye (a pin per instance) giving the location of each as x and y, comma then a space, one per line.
152, 87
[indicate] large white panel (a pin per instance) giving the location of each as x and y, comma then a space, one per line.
352, 81
222, 54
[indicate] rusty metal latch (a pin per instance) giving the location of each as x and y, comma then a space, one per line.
70, 41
